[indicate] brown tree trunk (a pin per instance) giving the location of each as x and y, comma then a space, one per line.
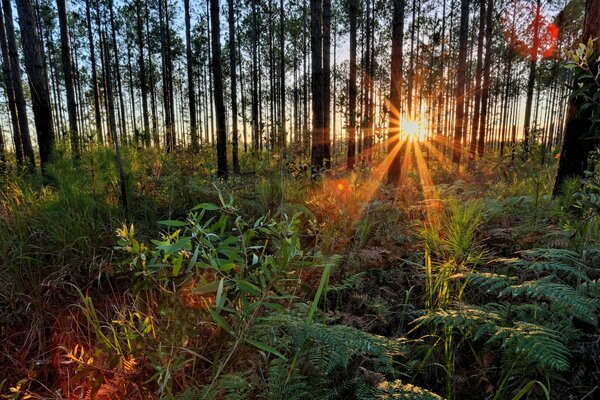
327, 82
14, 89
97, 114
577, 141
352, 88
35, 68
69, 76
190, 78
487, 63
318, 112
233, 79
395, 106
460, 85
218, 90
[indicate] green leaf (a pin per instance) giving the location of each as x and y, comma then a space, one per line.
174, 223
248, 287
266, 347
206, 206
220, 321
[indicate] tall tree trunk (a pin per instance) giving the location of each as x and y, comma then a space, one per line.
142, 71
97, 114
283, 132
352, 88
218, 90
531, 79
577, 141
327, 82
14, 89
35, 68
487, 64
190, 77
255, 127
233, 79
478, 73
317, 84
69, 76
460, 85
123, 126
395, 106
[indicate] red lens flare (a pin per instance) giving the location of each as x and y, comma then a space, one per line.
528, 32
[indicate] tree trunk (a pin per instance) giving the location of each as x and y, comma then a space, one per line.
395, 106
283, 132
255, 132
97, 114
327, 82
318, 112
577, 141
218, 90
190, 78
352, 88
14, 89
69, 76
531, 79
478, 73
487, 63
460, 85
35, 68
233, 79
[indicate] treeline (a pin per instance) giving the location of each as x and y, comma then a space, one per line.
337, 79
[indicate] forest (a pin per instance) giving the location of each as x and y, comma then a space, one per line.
300, 199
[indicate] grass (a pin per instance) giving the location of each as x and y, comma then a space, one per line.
198, 305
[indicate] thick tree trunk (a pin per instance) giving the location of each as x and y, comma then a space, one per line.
578, 141
478, 73
395, 106
190, 78
327, 82
122, 125
283, 133
218, 90
352, 88
233, 80
318, 112
142, 72
14, 89
97, 114
487, 63
255, 132
69, 75
35, 68
531, 79
460, 85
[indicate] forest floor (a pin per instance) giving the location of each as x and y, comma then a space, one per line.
470, 284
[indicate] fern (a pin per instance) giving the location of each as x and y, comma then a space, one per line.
396, 390
565, 297
332, 346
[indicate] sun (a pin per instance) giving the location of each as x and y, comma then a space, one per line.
415, 130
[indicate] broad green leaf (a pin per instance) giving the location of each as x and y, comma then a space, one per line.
265, 347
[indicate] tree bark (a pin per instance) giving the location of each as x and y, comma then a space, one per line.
577, 143
218, 90
97, 114
318, 112
14, 89
352, 88
460, 85
190, 78
233, 80
395, 106
35, 68
69, 76
487, 63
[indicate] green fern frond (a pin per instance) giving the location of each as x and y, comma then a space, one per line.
535, 343
562, 295
397, 390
